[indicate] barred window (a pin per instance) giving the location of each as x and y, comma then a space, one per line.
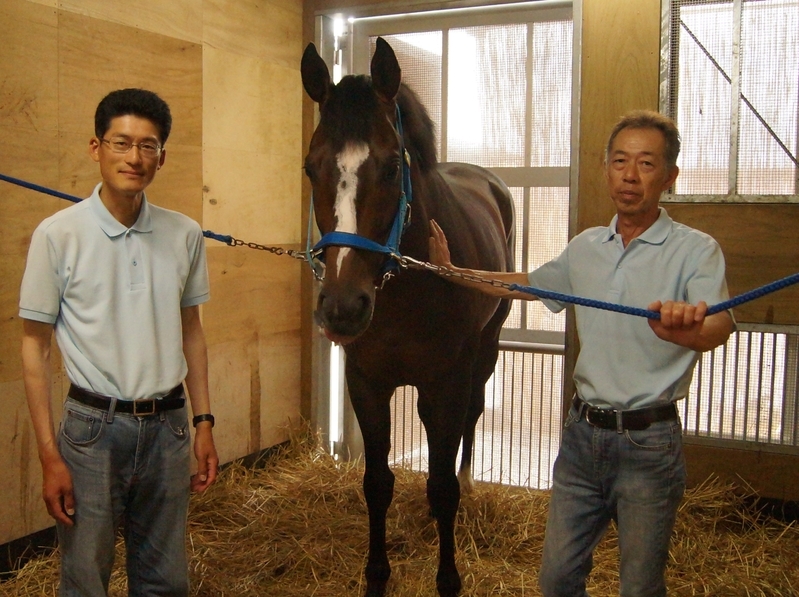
730, 78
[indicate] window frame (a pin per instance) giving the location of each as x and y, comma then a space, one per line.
669, 94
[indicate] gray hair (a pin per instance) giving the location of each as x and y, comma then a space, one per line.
648, 119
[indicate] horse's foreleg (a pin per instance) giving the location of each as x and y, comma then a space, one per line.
444, 495
482, 370
372, 408
378, 488
443, 420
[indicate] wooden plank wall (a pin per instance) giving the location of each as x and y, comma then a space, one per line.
230, 72
619, 66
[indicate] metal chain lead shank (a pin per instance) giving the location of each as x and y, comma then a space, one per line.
411, 263
235, 242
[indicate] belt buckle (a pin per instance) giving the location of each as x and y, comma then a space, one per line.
141, 413
592, 420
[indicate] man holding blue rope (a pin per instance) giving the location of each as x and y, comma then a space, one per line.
120, 281
621, 453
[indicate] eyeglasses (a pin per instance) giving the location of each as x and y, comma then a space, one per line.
147, 149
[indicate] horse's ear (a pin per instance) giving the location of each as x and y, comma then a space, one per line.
386, 72
315, 76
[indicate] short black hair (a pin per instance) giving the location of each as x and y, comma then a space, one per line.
648, 119
136, 102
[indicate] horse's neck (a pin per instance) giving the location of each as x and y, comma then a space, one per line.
415, 240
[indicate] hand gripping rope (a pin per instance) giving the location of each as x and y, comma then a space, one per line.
410, 263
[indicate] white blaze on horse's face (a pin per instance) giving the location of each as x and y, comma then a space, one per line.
348, 161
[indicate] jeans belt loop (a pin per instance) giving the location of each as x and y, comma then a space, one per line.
111, 410
581, 407
619, 422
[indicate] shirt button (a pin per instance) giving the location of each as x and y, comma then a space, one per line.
134, 263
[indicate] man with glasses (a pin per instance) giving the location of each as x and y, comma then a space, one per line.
621, 452
120, 282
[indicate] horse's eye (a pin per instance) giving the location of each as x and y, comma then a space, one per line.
391, 172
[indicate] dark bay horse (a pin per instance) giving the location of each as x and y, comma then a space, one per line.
418, 329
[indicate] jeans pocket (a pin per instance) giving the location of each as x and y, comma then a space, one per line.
659, 437
80, 428
178, 422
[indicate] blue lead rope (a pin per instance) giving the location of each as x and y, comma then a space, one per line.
35, 187
228, 240
540, 293
718, 308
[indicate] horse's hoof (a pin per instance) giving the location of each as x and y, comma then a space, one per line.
449, 587
375, 589
449, 592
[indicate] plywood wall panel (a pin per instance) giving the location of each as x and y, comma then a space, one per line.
250, 290
252, 138
33, 156
179, 183
620, 70
280, 386
246, 196
229, 386
22, 508
88, 71
28, 67
21, 489
78, 174
266, 30
766, 474
252, 328
180, 19
761, 245
251, 104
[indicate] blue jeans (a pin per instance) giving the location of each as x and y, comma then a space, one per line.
129, 471
636, 478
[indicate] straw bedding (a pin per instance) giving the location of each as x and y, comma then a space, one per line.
298, 526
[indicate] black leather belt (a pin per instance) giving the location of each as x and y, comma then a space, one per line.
621, 420
171, 401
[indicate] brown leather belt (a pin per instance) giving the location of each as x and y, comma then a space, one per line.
171, 401
622, 420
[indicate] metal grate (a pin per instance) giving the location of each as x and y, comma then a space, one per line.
516, 439
746, 390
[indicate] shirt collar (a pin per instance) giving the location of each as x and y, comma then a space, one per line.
654, 235
110, 225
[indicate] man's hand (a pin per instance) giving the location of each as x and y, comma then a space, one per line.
207, 459
438, 254
438, 247
57, 491
689, 326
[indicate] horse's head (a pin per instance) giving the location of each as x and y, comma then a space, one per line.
354, 164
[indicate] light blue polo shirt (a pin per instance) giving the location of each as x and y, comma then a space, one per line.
114, 294
622, 363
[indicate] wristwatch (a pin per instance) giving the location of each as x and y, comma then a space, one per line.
200, 418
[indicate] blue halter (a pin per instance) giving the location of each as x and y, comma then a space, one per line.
355, 241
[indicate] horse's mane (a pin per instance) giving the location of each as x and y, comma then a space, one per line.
418, 128
343, 117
